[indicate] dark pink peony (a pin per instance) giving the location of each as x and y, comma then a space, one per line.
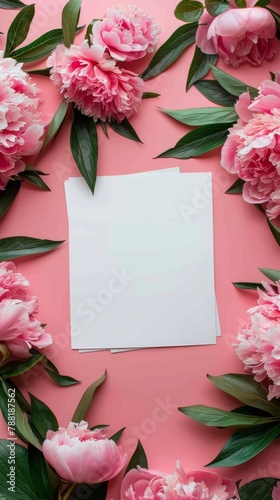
21, 126
127, 34
239, 35
86, 76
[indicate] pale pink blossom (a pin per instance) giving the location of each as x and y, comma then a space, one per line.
238, 35
83, 456
21, 125
144, 484
89, 78
252, 149
127, 33
268, 301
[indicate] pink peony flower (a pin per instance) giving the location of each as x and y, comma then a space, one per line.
239, 35
87, 77
21, 126
127, 34
259, 349
143, 484
252, 149
268, 302
83, 456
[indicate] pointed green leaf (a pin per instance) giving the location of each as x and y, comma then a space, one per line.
63, 380
200, 66
195, 117
150, 95
43, 72
125, 129
198, 142
247, 390
24, 489
19, 28
117, 436
245, 444
56, 123
42, 416
258, 489
11, 4
24, 367
34, 178
232, 85
70, 19
84, 146
24, 427
214, 417
86, 399
20, 246
39, 474
236, 188
275, 230
8, 195
171, 50
246, 285
104, 129
271, 274
189, 10
215, 7
213, 91
138, 458
240, 3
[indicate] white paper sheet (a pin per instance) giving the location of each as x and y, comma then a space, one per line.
138, 223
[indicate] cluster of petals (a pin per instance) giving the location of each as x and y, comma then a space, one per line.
21, 125
19, 328
80, 455
239, 35
144, 484
252, 148
259, 342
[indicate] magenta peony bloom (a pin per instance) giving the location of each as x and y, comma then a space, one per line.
239, 35
79, 455
144, 484
21, 126
19, 329
127, 34
91, 80
252, 149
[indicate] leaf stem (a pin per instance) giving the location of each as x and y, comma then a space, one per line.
69, 491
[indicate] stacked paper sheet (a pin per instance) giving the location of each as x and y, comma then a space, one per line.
141, 261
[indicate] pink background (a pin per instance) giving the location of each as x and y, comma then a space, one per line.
143, 388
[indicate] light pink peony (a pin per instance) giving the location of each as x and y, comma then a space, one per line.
19, 329
87, 77
79, 455
21, 126
252, 149
143, 484
268, 301
238, 35
127, 34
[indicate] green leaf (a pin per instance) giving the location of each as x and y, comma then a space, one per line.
20, 246
215, 7
11, 4
70, 19
86, 399
138, 458
214, 417
117, 436
24, 489
236, 188
24, 428
200, 66
8, 195
240, 3
198, 142
125, 129
84, 146
232, 85
43, 72
247, 390
63, 380
103, 126
42, 417
171, 50
89, 491
202, 116
258, 489
150, 95
275, 231
34, 178
24, 367
213, 91
271, 274
245, 444
189, 10
246, 285
39, 474
262, 3
19, 28
56, 123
